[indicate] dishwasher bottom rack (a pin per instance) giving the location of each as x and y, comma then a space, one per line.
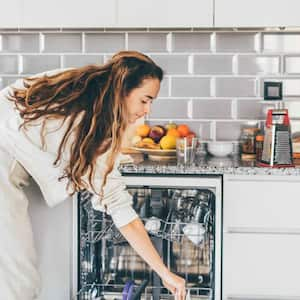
114, 292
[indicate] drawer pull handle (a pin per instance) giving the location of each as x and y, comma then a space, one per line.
260, 230
262, 297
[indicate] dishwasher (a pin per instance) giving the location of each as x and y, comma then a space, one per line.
182, 215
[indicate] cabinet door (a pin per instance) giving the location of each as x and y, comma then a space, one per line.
68, 13
11, 14
166, 13
261, 204
261, 266
256, 13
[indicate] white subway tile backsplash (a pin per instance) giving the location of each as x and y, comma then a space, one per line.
213, 80
81, 60
236, 42
281, 42
190, 87
104, 42
250, 64
291, 87
164, 87
161, 109
8, 64
62, 42
251, 109
295, 126
20, 42
235, 87
292, 64
172, 64
147, 42
228, 131
294, 108
39, 63
7, 80
211, 109
190, 42
213, 64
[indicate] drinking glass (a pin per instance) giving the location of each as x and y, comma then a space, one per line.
186, 149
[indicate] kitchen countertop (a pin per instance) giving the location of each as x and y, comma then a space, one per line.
207, 166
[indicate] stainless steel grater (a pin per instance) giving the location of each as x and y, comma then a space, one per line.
277, 148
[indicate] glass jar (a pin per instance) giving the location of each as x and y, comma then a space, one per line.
248, 137
259, 146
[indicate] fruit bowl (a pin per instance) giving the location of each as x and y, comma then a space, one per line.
158, 154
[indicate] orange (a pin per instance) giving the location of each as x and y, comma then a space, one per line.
168, 142
173, 132
143, 130
183, 130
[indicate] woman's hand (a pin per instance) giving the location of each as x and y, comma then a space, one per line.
138, 238
176, 285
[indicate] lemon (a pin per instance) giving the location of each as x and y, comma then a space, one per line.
168, 142
148, 140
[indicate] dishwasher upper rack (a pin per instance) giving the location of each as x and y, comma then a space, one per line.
104, 228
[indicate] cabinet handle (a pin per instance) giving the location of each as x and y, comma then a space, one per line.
265, 297
261, 230
261, 180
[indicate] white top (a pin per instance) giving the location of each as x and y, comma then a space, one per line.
26, 147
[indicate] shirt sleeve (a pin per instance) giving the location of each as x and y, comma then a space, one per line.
116, 199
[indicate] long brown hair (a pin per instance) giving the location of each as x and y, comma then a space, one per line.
95, 93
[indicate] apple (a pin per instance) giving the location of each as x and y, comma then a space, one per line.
157, 132
190, 136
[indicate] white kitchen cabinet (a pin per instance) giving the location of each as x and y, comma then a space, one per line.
166, 13
261, 237
263, 204
68, 13
11, 14
264, 266
257, 13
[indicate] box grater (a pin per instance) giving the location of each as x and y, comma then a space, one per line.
277, 148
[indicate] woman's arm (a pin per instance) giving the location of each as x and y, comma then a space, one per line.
138, 238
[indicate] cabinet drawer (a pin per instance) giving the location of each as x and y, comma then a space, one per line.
261, 266
262, 205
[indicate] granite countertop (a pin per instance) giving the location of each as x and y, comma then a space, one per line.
207, 166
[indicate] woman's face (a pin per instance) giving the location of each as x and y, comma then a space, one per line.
139, 100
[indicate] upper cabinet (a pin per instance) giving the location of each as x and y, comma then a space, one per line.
166, 13
13, 18
257, 13
68, 13
150, 14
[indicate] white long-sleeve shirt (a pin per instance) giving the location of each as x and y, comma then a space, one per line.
26, 148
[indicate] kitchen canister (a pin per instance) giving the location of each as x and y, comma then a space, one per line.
248, 140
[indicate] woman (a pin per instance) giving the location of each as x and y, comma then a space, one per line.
66, 130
